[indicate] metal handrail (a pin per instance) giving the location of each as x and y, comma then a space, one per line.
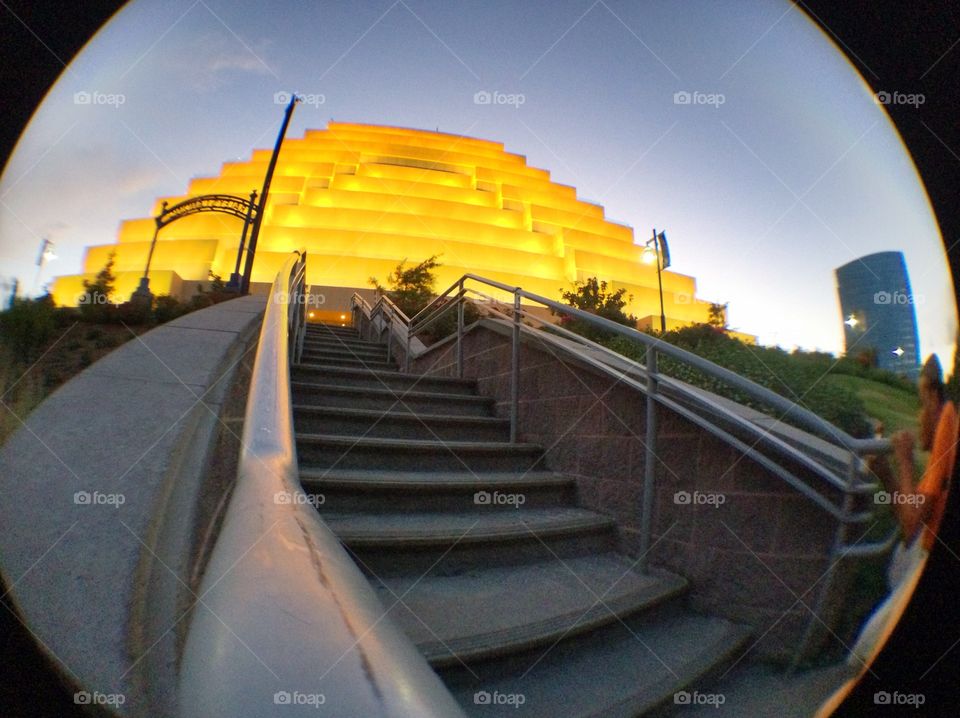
693, 405
284, 616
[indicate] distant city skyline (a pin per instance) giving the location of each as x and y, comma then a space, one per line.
741, 131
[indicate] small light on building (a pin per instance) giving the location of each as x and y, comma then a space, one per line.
310, 315
852, 322
343, 316
898, 351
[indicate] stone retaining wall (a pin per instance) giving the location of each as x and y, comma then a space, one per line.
753, 548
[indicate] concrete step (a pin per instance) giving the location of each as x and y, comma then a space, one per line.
321, 451
356, 363
375, 377
322, 391
399, 425
331, 329
621, 670
336, 342
375, 353
461, 619
408, 543
426, 491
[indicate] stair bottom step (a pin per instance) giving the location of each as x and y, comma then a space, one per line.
619, 671
462, 618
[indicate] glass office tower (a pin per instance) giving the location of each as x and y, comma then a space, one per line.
878, 308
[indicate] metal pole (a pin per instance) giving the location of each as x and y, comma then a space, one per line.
839, 541
268, 178
235, 277
663, 316
142, 292
389, 334
515, 368
460, 331
406, 356
650, 459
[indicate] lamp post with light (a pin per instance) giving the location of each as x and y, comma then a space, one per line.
46, 255
656, 250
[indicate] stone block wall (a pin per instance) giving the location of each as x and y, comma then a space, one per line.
754, 549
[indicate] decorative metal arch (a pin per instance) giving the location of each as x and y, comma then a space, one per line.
245, 209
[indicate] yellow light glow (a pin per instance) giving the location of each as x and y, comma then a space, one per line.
361, 198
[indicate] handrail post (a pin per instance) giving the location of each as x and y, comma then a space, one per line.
515, 368
406, 354
650, 459
839, 543
460, 301
389, 334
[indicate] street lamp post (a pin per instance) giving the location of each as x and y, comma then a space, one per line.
656, 250
46, 254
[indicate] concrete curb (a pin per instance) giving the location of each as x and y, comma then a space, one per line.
102, 512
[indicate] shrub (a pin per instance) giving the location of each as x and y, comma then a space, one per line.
795, 377
411, 289
95, 303
28, 325
592, 296
167, 308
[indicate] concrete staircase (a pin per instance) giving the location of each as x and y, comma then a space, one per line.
516, 596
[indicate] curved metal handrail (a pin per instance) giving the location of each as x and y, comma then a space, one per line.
284, 616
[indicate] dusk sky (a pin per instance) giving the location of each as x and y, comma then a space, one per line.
786, 170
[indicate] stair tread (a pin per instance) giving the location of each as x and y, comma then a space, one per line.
390, 391
338, 411
416, 444
439, 527
432, 479
462, 617
616, 671
394, 372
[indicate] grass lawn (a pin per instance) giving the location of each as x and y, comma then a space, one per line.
896, 408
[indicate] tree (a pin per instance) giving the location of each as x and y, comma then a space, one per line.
592, 296
718, 315
95, 300
411, 289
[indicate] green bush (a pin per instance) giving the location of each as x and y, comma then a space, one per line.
592, 296
28, 326
167, 308
796, 377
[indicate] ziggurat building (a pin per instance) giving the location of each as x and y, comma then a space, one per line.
361, 198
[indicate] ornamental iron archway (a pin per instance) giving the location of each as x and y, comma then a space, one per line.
245, 209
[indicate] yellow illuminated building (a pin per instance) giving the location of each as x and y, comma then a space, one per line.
361, 198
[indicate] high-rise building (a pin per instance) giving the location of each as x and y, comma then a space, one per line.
361, 198
878, 308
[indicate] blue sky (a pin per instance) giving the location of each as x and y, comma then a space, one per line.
798, 171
